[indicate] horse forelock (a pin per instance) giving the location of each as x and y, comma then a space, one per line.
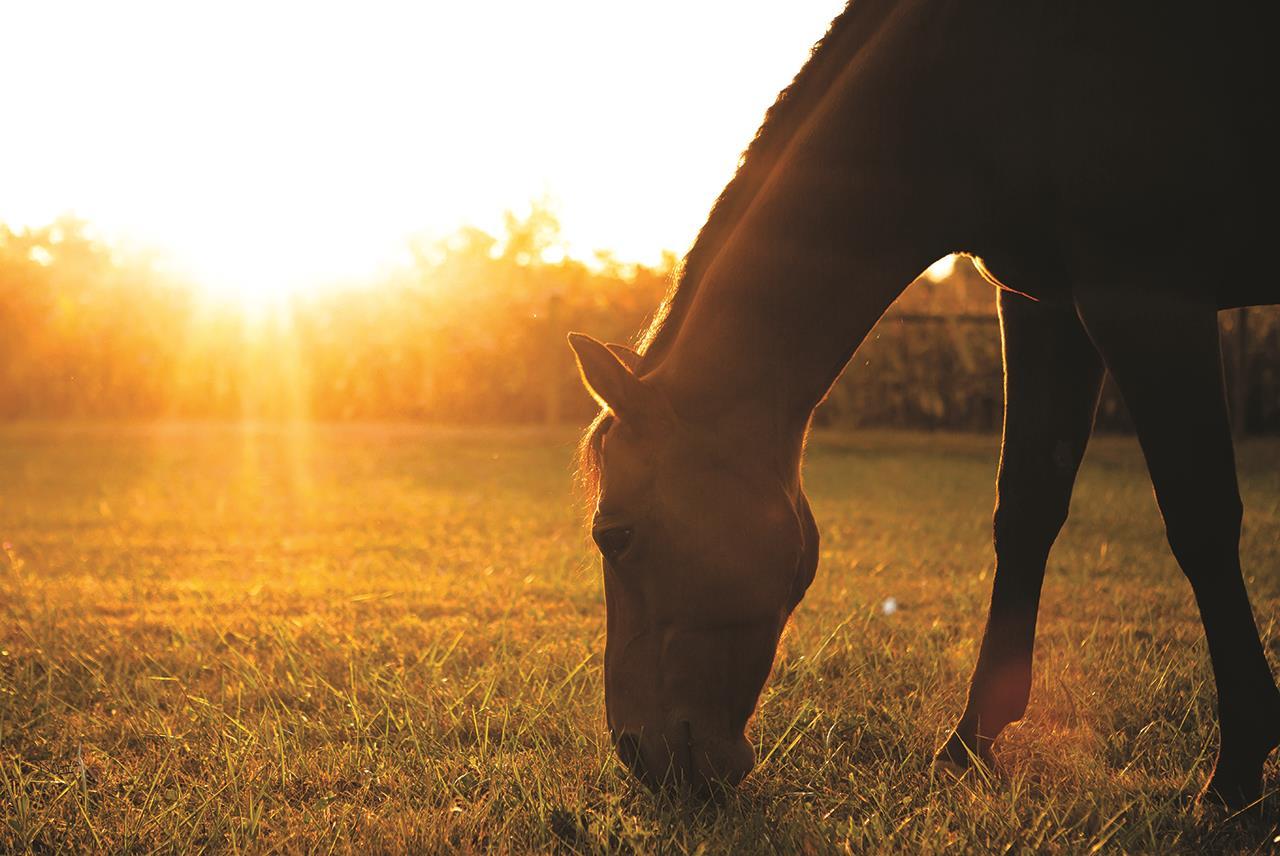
589, 458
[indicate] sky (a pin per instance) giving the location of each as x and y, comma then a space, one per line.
272, 145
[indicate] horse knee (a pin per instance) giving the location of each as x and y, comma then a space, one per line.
1205, 534
1026, 523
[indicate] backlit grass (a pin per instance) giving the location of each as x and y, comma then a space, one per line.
356, 639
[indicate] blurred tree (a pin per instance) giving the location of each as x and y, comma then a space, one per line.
472, 331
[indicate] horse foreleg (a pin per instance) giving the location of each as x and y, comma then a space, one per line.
1052, 378
1166, 358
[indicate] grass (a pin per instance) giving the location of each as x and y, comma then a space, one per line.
364, 639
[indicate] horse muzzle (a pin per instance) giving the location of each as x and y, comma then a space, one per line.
680, 758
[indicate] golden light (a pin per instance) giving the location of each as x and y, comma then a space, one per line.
942, 268
272, 147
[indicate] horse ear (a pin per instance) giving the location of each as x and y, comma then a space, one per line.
609, 380
630, 356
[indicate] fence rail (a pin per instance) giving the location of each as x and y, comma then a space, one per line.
941, 370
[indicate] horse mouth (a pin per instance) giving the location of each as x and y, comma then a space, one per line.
672, 764
677, 770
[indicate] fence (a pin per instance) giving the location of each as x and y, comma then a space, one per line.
926, 370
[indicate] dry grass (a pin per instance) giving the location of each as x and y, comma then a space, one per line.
388, 639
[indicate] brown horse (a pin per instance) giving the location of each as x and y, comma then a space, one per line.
1109, 164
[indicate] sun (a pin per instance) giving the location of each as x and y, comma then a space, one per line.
256, 294
264, 257
258, 283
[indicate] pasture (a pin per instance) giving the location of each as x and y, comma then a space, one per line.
388, 638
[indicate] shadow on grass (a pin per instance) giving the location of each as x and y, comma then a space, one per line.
770, 816
622, 821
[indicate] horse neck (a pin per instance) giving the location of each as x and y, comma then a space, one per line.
845, 221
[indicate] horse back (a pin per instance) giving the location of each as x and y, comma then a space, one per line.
1163, 142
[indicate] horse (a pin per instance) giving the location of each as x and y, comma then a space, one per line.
1106, 167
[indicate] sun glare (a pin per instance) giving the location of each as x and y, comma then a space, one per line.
269, 148
942, 268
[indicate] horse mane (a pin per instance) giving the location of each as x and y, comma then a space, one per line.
827, 59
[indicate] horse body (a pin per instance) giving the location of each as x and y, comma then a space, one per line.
1157, 148
1112, 181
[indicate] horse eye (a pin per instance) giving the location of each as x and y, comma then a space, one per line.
613, 542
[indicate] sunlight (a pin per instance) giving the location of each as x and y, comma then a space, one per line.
267, 149
260, 283
942, 268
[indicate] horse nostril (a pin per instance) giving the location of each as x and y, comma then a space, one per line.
721, 763
628, 746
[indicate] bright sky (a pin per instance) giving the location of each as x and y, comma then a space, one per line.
302, 142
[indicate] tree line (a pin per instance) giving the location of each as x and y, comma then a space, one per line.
471, 332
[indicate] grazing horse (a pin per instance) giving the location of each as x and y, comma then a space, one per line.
1107, 167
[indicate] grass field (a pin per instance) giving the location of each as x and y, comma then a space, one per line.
364, 639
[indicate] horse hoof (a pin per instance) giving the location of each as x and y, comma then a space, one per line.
1222, 800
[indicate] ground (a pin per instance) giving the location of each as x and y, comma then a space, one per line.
381, 638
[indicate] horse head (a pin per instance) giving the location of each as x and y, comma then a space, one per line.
706, 550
